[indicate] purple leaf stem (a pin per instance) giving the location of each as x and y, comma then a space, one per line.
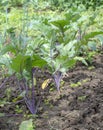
57, 78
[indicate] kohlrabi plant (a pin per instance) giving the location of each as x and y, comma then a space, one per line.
67, 40
23, 65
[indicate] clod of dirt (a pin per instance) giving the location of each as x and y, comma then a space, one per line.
73, 117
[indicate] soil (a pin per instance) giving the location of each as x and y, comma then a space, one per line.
78, 106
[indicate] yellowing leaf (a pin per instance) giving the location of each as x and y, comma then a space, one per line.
34, 80
45, 83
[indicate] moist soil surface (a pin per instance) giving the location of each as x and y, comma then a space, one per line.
78, 106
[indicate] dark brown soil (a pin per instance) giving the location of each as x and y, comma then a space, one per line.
79, 105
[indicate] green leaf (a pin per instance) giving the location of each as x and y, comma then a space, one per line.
60, 24
28, 64
26, 125
81, 59
67, 65
21, 62
92, 45
59, 61
38, 61
70, 63
72, 17
5, 60
70, 45
18, 63
7, 48
100, 37
63, 63
11, 30
92, 34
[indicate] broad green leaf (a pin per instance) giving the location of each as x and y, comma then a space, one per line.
92, 45
18, 63
59, 61
62, 63
38, 61
67, 65
72, 17
7, 48
91, 35
70, 45
60, 24
28, 64
11, 30
100, 37
26, 125
70, 63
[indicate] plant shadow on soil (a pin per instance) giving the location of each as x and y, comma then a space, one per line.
75, 108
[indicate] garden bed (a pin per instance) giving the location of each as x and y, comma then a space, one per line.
78, 106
